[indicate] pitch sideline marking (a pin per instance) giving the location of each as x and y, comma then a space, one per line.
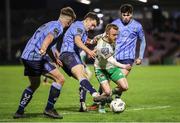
148, 108
135, 109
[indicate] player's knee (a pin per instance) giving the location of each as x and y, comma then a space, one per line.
107, 92
60, 80
125, 88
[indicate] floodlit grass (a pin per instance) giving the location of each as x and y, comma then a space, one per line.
153, 95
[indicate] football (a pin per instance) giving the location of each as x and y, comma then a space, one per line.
117, 105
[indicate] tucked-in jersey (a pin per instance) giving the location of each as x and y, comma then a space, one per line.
104, 51
68, 44
31, 51
127, 38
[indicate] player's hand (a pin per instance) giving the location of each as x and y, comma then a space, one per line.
58, 62
127, 66
56, 54
42, 52
92, 53
138, 61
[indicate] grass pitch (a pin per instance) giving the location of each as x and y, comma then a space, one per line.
153, 96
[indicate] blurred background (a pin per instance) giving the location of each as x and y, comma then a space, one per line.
160, 19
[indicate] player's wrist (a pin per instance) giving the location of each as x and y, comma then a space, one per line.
42, 51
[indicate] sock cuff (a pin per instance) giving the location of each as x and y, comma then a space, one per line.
82, 79
57, 85
95, 94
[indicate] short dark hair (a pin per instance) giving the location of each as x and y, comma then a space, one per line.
126, 8
92, 16
68, 11
109, 26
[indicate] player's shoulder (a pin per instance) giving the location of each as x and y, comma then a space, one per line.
78, 25
136, 22
55, 25
52, 23
117, 20
99, 41
103, 43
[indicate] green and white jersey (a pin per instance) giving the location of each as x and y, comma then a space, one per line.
104, 51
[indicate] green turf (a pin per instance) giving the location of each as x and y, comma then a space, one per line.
153, 95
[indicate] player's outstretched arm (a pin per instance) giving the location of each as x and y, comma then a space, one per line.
80, 44
113, 61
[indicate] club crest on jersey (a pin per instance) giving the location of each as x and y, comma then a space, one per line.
135, 29
105, 51
79, 31
56, 31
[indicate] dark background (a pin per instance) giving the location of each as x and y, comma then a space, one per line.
161, 26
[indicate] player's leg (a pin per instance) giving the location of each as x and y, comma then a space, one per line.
70, 60
79, 74
73, 66
82, 91
107, 92
118, 90
88, 72
47, 79
103, 78
82, 94
27, 96
55, 90
118, 77
33, 71
122, 86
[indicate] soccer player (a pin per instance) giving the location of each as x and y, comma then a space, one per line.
73, 43
106, 66
130, 31
36, 63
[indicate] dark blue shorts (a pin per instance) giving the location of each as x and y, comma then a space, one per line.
69, 60
126, 61
37, 68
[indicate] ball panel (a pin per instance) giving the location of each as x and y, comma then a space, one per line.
117, 105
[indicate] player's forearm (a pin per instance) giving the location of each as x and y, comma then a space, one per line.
47, 41
80, 44
113, 61
56, 53
142, 47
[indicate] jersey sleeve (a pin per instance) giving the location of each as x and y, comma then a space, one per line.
140, 31
78, 31
55, 31
143, 42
